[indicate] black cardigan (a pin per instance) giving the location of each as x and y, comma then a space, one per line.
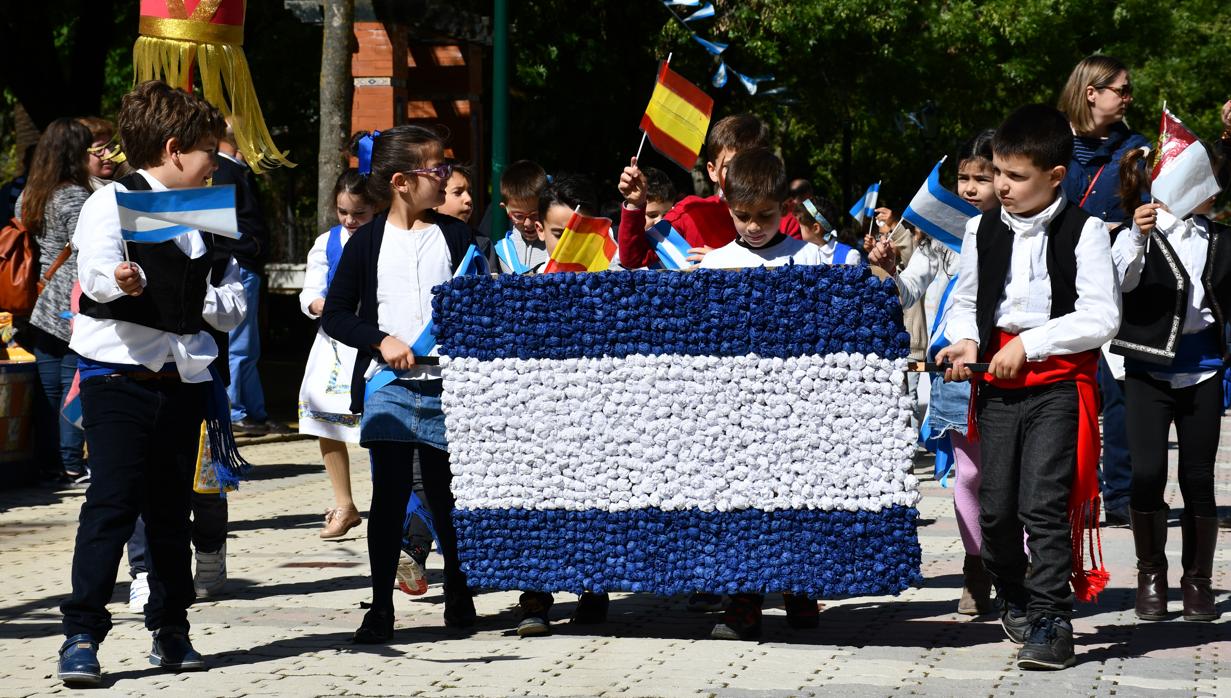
350, 306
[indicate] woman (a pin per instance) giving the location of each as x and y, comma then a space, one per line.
58, 187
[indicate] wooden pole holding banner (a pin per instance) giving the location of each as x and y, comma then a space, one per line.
643, 133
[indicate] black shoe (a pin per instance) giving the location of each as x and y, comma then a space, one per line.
248, 427
1117, 516
534, 608
172, 650
459, 606
1049, 647
1016, 623
802, 612
741, 620
591, 608
78, 663
376, 628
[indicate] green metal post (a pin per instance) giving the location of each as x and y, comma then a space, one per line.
500, 110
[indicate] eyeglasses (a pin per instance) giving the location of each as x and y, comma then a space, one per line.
439, 171
102, 151
521, 217
1123, 92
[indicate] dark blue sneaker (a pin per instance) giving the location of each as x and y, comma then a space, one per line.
1049, 647
1015, 621
78, 665
173, 651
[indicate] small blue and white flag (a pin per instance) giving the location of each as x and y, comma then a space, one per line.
706, 12
670, 246
720, 75
865, 208
939, 212
750, 82
158, 216
682, 3
714, 47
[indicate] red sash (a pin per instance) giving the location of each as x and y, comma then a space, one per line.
1084, 497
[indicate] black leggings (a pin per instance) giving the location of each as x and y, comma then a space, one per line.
1197, 412
392, 481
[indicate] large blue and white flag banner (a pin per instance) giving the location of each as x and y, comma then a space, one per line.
158, 216
670, 247
939, 212
711, 431
865, 208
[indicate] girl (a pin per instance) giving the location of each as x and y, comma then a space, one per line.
458, 200
102, 150
815, 216
380, 302
927, 276
1172, 378
58, 186
324, 395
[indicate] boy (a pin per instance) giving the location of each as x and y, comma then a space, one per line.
659, 195
756, 191
1037, 296
704, 223
145, 380
521, 187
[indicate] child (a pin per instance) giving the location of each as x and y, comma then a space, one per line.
756, 189
564, 195
814, 217
521, 185
931, 268
458, 201
1036, 296
659, 195
380, 302
145, 379
1170, 378
324, 394
705, 224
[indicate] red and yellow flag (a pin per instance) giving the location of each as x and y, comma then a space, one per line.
586, 245
677, 117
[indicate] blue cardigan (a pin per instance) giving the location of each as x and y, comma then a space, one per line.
349, 315
1104, 199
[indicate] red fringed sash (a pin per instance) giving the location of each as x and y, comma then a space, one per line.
1084, 497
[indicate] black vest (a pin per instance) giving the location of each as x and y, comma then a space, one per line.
1154, 311
995, 246
174, 293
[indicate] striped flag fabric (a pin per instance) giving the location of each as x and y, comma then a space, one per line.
1183, 177
585, 245
158, 216
670, 247
706, 12
677, 117
939, 212
865, 208
712, 431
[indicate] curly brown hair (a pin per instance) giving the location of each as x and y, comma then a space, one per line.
154, 113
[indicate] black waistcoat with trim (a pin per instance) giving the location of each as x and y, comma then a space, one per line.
1154, 311
174, 294
995, 246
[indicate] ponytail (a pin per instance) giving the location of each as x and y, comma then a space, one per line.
1134, 179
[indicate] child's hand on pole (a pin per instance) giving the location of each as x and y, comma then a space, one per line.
128, 278
396, 353
868, 243
884, 256
632, 185
1008, 362
959, 354
1146, 217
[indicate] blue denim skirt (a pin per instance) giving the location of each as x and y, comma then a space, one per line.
404, 411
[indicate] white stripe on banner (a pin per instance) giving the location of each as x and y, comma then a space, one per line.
679, 432
940, 213
671, 247
154, 216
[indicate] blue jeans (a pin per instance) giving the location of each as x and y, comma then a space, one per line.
62, 443
247, 397
1116, 472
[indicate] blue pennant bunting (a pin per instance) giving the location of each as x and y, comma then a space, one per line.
706, 12
713, 47
720, 75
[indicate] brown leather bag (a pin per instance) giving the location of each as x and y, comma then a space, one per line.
55, 266
18, 269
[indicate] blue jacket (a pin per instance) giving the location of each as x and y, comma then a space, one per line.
1104, 199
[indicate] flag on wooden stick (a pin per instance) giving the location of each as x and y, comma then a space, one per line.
586, 245
677, 117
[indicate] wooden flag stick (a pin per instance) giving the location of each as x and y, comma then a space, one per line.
643, 133
929, 367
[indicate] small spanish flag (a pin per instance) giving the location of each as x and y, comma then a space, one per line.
586, 245
677, 118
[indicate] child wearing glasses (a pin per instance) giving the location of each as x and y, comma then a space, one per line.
521, 250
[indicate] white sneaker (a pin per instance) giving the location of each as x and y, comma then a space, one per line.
211, 573
410, 575
139, 592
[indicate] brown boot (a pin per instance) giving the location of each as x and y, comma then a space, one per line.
976, 588
1200, 540
1150, 539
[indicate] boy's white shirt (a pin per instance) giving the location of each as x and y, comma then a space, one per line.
316, 273
735, 256
1025, 305
100, 249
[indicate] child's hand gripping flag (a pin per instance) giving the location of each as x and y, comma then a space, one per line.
586, 245
865, 207
939, 212
677, 118
1183, 177
158, 216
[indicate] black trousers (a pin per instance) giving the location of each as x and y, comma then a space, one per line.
1197, 413
392, 482
142, 437
1028, 443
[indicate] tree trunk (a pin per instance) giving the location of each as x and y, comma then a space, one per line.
336, 86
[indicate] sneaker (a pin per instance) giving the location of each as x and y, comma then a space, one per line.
411, 577
1015, 622
1116, 516
78, 662
139, 592
172, 650
591, 608
1049, 647
704, 603
249, 427
741, 620
272, 427
802, 612
534, 607
211, 573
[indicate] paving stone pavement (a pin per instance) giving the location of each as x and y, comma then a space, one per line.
283, 625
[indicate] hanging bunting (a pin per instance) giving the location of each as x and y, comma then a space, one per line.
714, 47
682, 3
720, 75
750, 82
706, 12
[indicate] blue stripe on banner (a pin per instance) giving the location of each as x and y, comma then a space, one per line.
787, 311
159, 235
670, 246
826, 554
940, 213
507, 253
177, 200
